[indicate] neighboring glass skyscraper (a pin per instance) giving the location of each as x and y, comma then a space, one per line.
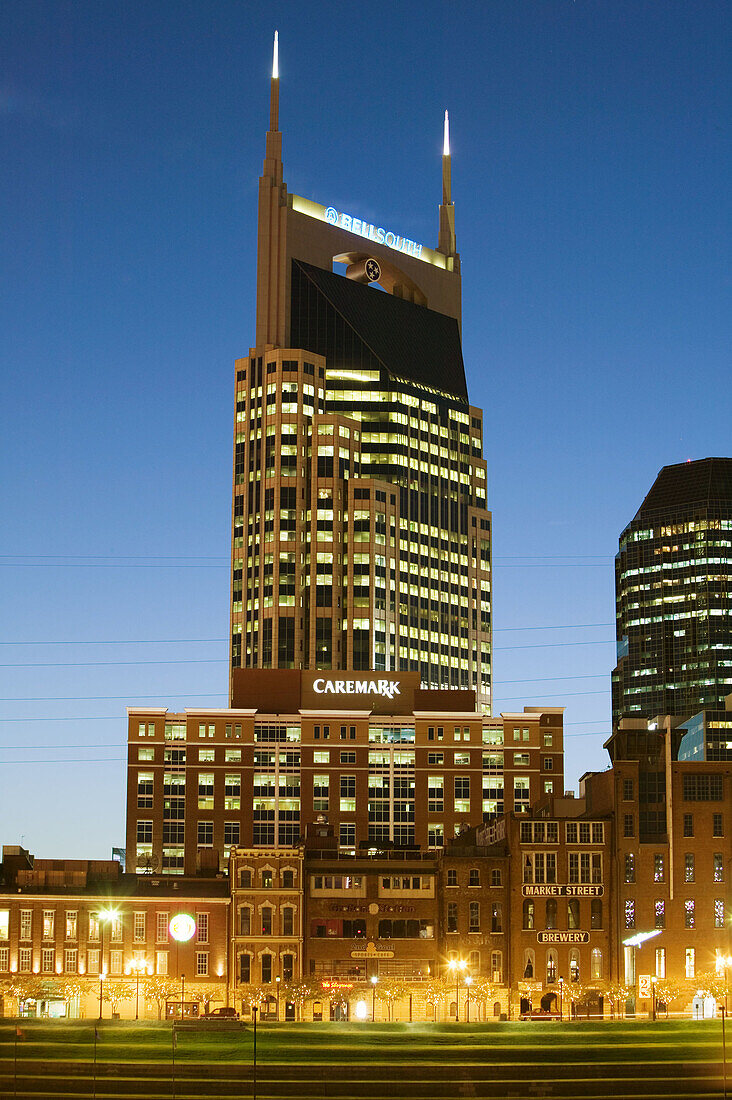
361, 536
673, 586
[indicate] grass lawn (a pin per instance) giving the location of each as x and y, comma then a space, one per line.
396, 1043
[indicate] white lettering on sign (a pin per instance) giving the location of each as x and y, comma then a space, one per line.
387, 688
373, 232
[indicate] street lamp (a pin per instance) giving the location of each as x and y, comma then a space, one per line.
103, 916
374, 980
182, 993
654, 979
457, 965
561, 998
101, 979
726, 962
137, 965
277, 984
468, 983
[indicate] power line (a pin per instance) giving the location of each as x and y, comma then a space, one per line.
98, 698
191, 641
69, 760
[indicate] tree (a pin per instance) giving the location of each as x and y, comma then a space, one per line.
434, 992
159, 988
116, 991
392, 990
710, 984
616, 994
205, 993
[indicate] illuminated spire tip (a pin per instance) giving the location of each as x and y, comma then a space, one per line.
276, 58
446, 141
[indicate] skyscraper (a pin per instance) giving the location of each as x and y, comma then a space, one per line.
673, 591
361, 537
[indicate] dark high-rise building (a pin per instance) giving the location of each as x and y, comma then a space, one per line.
361, 537
673, 586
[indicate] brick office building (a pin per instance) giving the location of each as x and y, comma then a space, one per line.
66, 924
389, 763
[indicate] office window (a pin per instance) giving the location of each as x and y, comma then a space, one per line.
48, 961
452, 916
202, 927
596, 964
205, 791
288, 880
266, 969
347, 835
629, 913
138, 928
496, 916
201, 964
321, 756
719, 912
5, 959
596, 913
690, 959
660, 913
205, 834
245, 969
629, 867
231, 834
573, 913
266, 915
435, 834
689, 867
25, 923
718, 867
528, 914
25, 959
92, 961
551, 913
658, 868
49, 920
435, 794
71, 924
717, 825
496, 878
474, 917
627, 790
452, 877
689, 918
688, 824
161, 963
628, 825
93, 928
348, 758
115, 962
245, 878
288, 967
161, 928
288, 921
474, 877
702, 788
348, 793
660, 962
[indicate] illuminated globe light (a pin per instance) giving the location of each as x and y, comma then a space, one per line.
362, 1010
182, 927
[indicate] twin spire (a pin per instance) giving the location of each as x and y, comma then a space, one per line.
447, 211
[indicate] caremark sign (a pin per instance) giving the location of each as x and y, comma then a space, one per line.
387, 688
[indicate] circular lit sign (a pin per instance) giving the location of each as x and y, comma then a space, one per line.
373, 271
182, 927
331, 215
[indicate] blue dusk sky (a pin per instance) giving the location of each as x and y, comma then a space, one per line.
591, 170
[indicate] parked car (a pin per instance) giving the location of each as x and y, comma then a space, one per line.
221, 1014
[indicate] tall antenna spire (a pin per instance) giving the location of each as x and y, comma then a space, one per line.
446, 239
274, 94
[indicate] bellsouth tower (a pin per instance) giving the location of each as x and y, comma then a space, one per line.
361, 537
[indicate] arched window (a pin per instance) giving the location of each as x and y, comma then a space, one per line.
266, 913
288, 920
245, 921
596, 964
551, 913
496, 1008
551, 967
497, 966
529, 964
574, 965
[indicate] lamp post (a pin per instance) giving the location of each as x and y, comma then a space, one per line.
101, 979
137, 965
277, 984
468, 983
374, 980
103, 916
182, 994
457, 965
654, 979
726, 963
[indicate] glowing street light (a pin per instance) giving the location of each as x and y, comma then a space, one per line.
374, 980
468, 983
458, 965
